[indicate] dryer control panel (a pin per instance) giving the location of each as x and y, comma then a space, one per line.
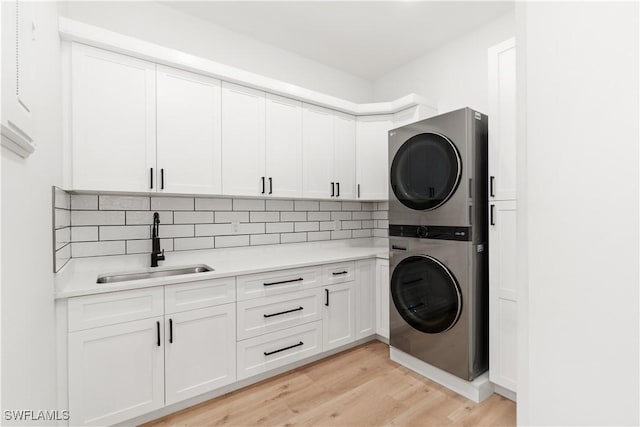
431, 232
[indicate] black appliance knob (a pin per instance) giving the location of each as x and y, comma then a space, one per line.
422, 231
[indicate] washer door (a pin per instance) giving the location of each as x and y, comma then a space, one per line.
425, 171
426, 294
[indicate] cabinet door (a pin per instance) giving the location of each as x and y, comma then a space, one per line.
382, 298
502, 121
243, 140
116, 372
188, 138
284, 146
365, 298
113, 120
338, 318
503, 294
317, 152
200, 351
344, 155
372, 157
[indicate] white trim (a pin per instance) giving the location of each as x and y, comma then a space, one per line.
75, 31
17, 143
505, 392
477, 390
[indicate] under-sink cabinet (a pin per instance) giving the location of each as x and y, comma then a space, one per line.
132, 352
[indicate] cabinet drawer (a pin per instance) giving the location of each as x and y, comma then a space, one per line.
269, 314
338, 273
277, 282
92, 311
205, 293
260, 354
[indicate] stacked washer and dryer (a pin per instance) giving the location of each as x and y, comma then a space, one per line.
438, 235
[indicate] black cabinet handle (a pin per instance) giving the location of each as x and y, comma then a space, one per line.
339, 273
170, 331
162, 179
262, 178
299, 279
283, 312
358, 191
158, 333
398, 248
491, 221
268, 353
152, 178
326, 297
491, 182
333, 189
338, 187
270, 185
470, 215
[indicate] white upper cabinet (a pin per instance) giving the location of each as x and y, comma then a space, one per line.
283, 146
113, 120
372, 153
317, 151
502, 121
188, 132
344, 155
243, 141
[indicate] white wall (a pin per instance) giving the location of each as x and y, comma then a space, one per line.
579, 222
454, 75
28, 339
163, 25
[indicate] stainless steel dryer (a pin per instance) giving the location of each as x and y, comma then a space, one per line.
438, 171
439, 298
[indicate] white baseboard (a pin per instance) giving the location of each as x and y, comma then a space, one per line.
505, 392
477, 390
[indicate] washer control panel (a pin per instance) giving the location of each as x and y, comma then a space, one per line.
431, 232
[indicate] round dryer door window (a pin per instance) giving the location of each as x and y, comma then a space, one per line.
425, 171
426, 294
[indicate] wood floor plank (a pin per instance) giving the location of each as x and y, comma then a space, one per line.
359, 387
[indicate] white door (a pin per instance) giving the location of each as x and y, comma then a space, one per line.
502, 121
116, 372
344, 155
382, 298
188, 139
113, 120
503, 294
365, 298
283, 146
338, 318
243, 141
372, 157
317, 152
200, 351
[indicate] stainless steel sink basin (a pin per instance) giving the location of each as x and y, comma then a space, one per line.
113, 278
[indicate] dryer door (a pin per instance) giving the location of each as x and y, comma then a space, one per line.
425, 171
426, 294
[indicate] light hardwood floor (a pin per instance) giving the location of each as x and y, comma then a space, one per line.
359, 387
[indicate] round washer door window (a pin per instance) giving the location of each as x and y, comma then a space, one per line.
426, 294
425, 171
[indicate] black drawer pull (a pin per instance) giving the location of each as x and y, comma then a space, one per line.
491, 182
338, 189
158, 333
262, 179
269, 353
151, 178
326, 295
283, 312
333, 189
162, 179
270, 185
492, 219
398, 248
339, 273
170, 331
299, 279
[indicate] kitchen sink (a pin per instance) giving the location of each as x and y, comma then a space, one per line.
139, 275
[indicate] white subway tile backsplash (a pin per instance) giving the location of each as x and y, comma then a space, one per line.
185, 244
351, 206
61, 199
368, 224
293, 237
342, 234
351, 225
369, 207
123, 203
380, 215
85, 249
293, 216
231, 241
307, 226
176, 230
315, 236
361, 215
383, 206
222, 217
214, 229
382, 223
330, 206
279, 205
279, 227
62, 218
84, 234
264, 216
62, 256
214, 204
144, 246
357, 234
63, 237
342, 216
186, 217
318, 216
306, 205
264, 239
84, 202
378, 232
172, 204
251, 228
97, 218
327, 225
115, 232
146, 217
248, 205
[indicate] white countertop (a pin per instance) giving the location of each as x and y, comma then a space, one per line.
79, 276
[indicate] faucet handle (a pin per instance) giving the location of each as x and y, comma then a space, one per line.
161, 257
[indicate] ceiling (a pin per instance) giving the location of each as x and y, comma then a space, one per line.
363, 38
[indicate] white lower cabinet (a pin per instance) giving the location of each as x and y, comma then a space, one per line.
382, 298
265, 352
200, 351
116, 372
365, 298
338, 318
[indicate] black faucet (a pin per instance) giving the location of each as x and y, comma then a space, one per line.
156, 253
